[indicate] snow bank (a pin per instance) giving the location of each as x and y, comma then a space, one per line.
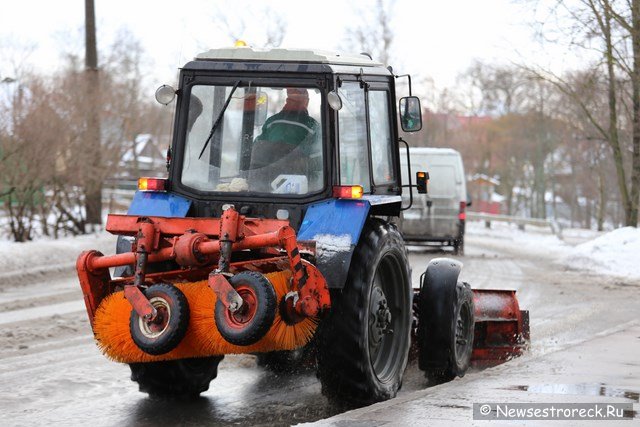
54, 254
537, 241
615, 253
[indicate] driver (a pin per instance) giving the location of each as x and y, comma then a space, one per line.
289, 145
292, 125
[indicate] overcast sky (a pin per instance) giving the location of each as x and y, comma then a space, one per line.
433, 38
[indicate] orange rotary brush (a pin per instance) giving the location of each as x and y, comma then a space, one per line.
111, 327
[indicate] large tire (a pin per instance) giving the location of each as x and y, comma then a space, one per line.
361, 357
289, 361
169, 329
282, 362
445, 328
254, 318
179, 379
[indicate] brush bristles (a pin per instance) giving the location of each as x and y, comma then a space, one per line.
111, 327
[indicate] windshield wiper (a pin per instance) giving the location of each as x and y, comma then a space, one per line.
218, 119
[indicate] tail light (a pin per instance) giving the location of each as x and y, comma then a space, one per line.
348, 191
462, 215
152, 184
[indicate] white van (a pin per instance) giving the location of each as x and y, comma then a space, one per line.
439, 215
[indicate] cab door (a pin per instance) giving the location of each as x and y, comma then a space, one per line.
367, 146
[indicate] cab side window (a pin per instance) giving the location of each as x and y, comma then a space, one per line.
354, 150
381, 157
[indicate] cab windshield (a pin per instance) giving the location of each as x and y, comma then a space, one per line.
254, 139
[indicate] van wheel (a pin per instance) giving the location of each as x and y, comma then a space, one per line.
458, 246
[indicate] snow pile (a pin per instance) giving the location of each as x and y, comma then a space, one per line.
537, 241
16, 258
615, 253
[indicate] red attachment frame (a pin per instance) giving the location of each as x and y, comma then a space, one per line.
194, 243
501, 328
225, 292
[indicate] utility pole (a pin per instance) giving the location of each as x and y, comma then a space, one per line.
91, 165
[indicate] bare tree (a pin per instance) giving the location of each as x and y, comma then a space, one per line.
44, 152
271, 25
614, 26
374, 34
34, 138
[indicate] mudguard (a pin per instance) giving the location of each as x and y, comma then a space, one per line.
335, 227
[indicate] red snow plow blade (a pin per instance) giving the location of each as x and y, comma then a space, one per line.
501, 328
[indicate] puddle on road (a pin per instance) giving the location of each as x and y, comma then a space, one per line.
579, 389
583, 390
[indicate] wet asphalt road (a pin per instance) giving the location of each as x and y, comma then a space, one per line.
51, 372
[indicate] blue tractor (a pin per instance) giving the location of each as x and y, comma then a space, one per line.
274, 235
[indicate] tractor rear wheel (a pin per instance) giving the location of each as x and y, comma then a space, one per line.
364, 341
180, 379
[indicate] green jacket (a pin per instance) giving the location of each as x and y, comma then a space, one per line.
291, 127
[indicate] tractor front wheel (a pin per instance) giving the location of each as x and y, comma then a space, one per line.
164, 333
180, 379
364, 341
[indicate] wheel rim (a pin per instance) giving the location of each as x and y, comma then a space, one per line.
241, 318
387, 320
463, 332
155, 328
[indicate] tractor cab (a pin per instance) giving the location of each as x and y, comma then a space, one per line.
275, 131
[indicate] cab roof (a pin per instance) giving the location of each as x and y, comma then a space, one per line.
280, 59
288, 55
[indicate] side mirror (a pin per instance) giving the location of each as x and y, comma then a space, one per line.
262, 106
468, 200
410, 114
422, 178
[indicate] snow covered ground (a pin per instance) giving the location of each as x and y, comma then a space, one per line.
47, 256
616, 253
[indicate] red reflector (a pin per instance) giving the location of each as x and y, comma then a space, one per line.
348, 191
151, 184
